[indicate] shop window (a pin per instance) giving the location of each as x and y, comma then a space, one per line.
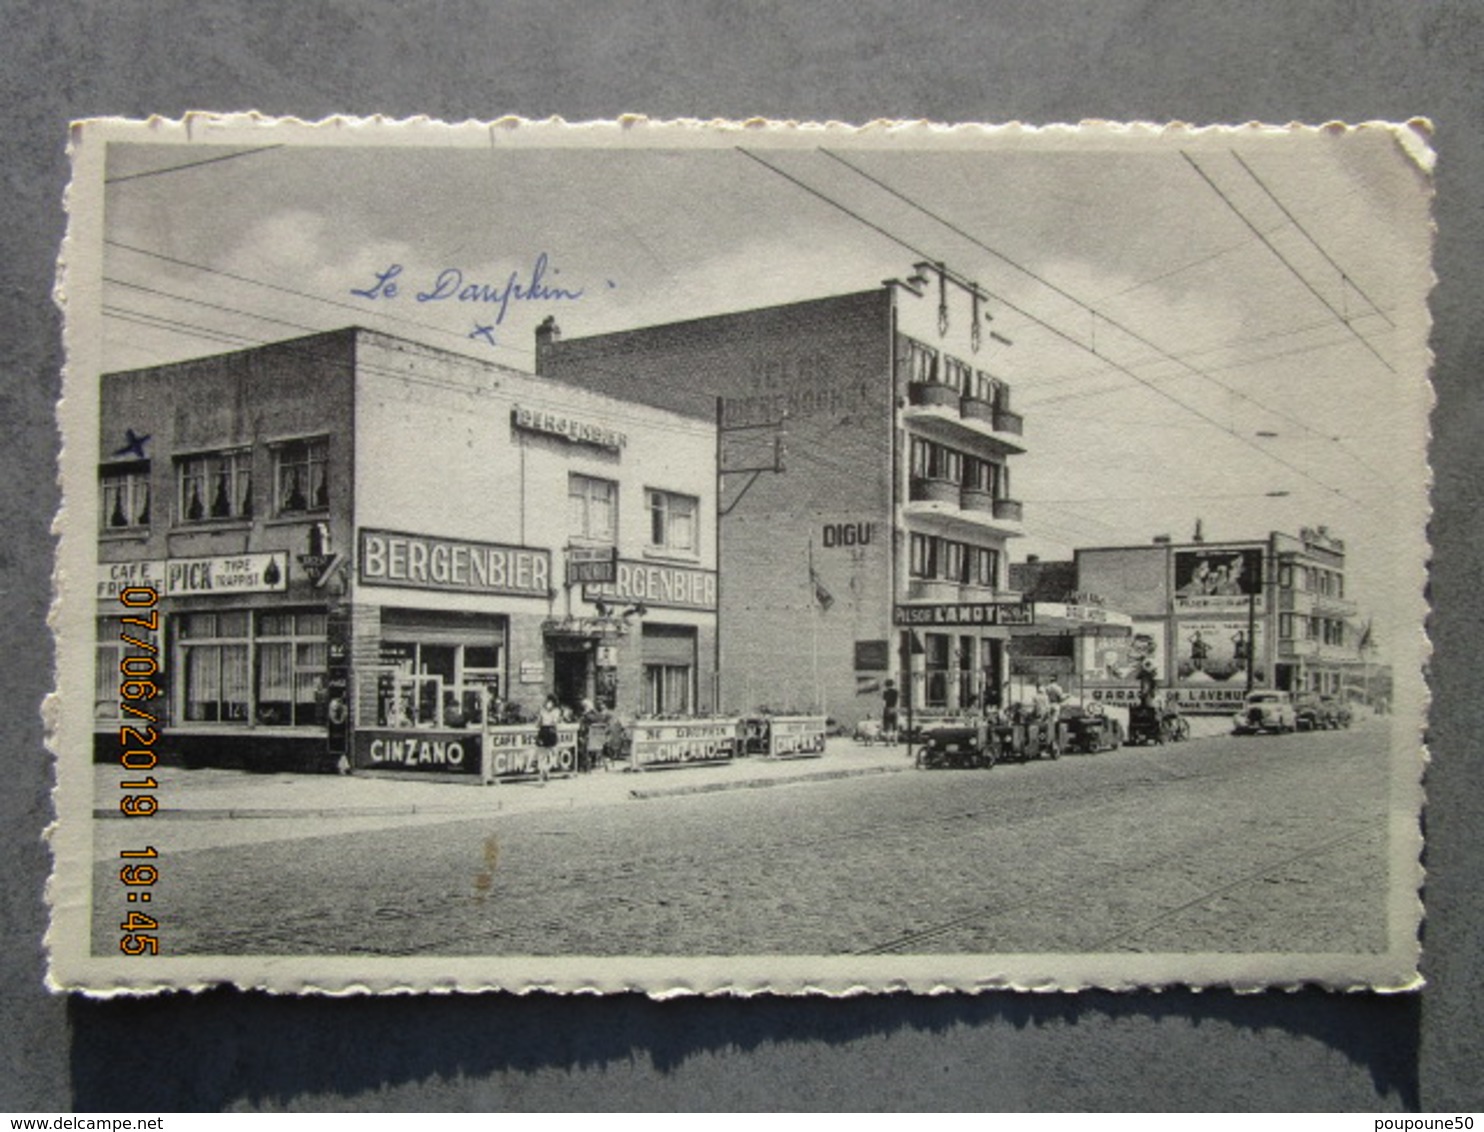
437, 684
672, 521
935, 663
237, 669
291, 659
919, 363
668, 689
301, 476
110, 650
214, 485
592, 507
123, 495
215, 650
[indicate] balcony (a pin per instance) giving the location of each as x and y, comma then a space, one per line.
962, 512
933, 491
932, 589
928, 393
941, 413
1008, 509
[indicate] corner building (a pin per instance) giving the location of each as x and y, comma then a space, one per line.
865, 443
1213, 617
355, 535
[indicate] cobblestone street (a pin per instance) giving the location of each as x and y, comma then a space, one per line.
1218, 845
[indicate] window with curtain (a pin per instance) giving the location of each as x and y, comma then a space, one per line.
667, 689
301, 476
214, 485
123, 495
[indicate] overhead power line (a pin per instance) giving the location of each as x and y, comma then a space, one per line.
1345, 276
189, 165
923, 255
1297, 274
1097, 315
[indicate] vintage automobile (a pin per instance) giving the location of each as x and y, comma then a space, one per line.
1156, 723
961, 744
1336, 711
1264, 711
1088, 729
1310, 713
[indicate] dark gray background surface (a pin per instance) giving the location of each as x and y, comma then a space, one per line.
1047, 62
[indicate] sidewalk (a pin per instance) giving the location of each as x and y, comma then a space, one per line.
232, 795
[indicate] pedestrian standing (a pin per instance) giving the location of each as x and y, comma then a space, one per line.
547, 720
889, 700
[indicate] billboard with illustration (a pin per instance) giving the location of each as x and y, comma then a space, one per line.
1120, 659
1217, 652
1225, 579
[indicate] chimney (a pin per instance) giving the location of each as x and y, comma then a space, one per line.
547, 333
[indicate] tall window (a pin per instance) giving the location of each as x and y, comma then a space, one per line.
592, 507
673, 520
301, 476
214, 652
931, 461
292, 655
667, 689
982, 475
990, 389
919, 363
111, 650
123, 494
958, 374
215, 485
948, 560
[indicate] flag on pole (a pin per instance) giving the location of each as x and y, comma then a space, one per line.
821, 593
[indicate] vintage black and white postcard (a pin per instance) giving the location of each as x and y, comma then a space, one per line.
741, 557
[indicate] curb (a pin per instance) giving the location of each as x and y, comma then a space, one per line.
759, 783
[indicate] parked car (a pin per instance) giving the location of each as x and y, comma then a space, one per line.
1265, 711
1336, 711
1309, 712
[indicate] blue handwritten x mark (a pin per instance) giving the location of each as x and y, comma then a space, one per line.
485, 332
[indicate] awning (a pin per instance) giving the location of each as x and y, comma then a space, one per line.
1065, 619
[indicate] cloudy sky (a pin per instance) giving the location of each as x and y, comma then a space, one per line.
1204, 327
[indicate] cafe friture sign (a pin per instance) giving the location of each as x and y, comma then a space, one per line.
189, 577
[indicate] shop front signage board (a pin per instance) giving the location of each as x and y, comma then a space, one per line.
428, 562
658, 584
796, 737
658, 743
965, 613
226, 574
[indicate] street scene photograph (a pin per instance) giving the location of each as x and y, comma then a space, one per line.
678, 556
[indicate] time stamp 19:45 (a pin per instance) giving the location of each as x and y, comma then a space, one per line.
140, 631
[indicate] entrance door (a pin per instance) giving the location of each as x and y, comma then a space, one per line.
571, 678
